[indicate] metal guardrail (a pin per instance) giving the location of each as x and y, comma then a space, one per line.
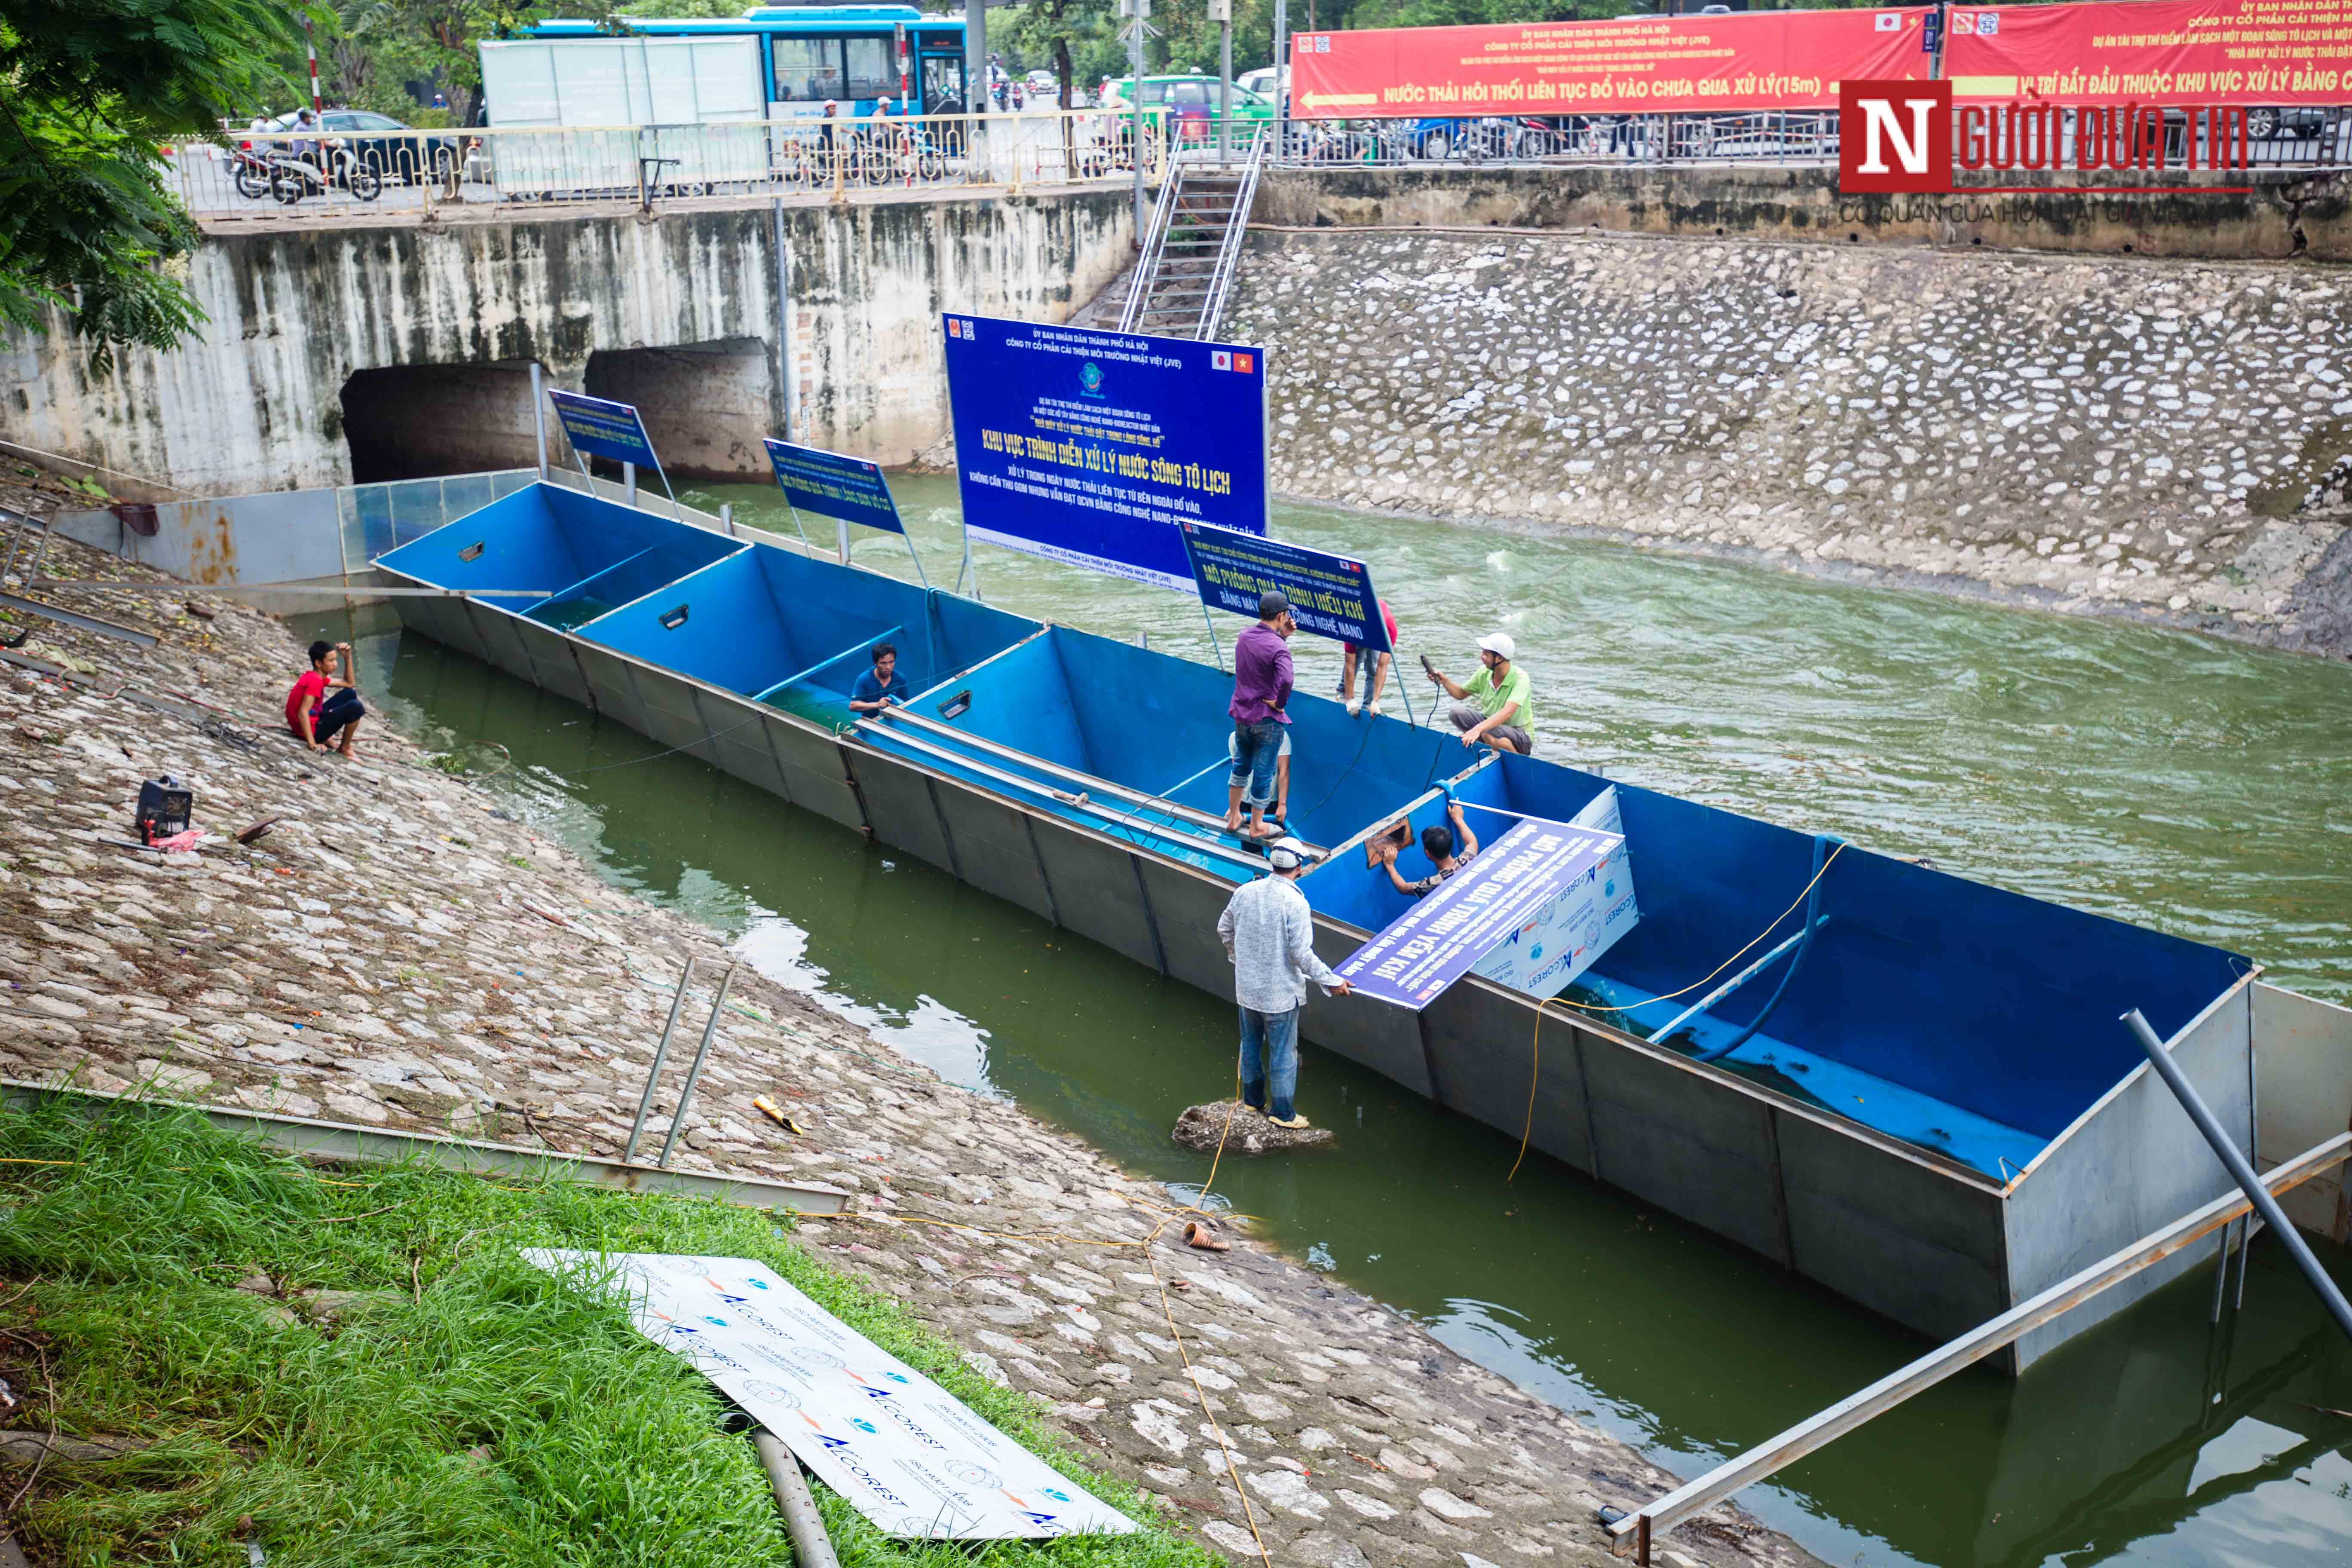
1637, 1530
421, 173
2277, 138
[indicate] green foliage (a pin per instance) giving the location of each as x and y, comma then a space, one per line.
90, 92
462, 1408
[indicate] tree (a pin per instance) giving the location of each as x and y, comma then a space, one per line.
91, 93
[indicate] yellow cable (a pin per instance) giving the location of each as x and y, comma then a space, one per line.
1535, 1041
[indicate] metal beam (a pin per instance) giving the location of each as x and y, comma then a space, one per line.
104, 628
337, 1141
1655, 1518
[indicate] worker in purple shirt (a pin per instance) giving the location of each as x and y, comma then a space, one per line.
1262, 679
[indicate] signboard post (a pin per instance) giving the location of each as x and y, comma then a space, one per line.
1503, 889
1331, 595
1090, 446
599, 428
848, 490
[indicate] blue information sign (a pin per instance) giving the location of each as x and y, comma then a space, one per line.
1091, 447
1503, 889
1331, 596
831, 485
600, 429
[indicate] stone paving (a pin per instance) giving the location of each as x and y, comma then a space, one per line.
2166, 439
397, 953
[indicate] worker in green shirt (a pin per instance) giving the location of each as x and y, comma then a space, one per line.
1496, 706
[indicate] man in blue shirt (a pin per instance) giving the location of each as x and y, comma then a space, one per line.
881, 686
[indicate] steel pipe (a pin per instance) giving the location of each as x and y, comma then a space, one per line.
701, 1054
646, 1100
2242, 1170
812, 1548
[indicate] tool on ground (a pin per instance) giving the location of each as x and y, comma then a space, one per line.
769, 1109
1198, 1233
257, 832
165, 807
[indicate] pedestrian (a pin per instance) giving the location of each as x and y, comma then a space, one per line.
1439, 844
1496, 706
881, 686
1379, 678
1262, 681
1269, 935
324, 704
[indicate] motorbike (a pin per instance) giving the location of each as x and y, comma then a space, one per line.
288, 172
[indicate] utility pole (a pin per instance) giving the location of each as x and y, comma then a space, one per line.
975, 75
1281, 77
1136, 12
310, 47
1220, 12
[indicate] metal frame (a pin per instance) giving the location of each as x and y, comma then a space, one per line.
339, 1142
1637, 1530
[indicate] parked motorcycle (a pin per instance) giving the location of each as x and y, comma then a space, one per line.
290, 171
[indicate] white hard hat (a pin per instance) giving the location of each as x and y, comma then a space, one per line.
1287, 854
1500, 644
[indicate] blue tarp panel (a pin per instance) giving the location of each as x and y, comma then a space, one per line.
552, 539
1998, 1004
767, 613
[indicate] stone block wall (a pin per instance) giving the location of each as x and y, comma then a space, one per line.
2090, 433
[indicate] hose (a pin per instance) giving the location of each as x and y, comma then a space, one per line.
1821, 842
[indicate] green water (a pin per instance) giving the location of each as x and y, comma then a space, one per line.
2194, 785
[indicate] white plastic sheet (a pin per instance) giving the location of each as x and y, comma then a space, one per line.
906, 1454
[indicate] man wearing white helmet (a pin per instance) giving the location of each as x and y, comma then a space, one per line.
1496, 706
1269, 935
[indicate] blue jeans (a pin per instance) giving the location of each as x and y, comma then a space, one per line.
1256, 748
1270, 1051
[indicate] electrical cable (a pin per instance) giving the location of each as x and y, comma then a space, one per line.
1535, 1041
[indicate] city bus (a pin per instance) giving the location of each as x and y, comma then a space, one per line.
773, 62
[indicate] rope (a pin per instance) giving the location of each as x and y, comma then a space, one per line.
1535, 1041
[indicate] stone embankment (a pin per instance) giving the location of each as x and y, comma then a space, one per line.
400, 952
2166, 439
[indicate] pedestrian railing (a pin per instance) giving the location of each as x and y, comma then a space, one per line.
413, 173
2284, 138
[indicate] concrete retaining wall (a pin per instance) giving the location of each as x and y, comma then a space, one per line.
255, 403
2281, 215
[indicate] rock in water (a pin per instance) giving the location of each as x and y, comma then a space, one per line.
1252, 1134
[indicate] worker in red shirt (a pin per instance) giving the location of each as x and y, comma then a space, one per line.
324, 704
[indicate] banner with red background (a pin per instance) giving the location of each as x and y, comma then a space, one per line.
1626, 64
2154, 52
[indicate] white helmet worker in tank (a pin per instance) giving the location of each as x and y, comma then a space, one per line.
1496, 706
1269, 934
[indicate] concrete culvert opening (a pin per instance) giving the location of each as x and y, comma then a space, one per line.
706, 406
416, 421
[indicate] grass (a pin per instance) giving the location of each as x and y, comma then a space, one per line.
467, 1410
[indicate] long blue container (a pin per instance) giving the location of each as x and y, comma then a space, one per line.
1938, 1116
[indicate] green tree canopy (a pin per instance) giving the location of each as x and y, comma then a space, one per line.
91, 92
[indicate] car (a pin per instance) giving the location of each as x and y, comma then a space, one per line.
388, 147
1043, 82
1261, 81
1191, 99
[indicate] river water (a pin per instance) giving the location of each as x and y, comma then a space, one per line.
2194, 785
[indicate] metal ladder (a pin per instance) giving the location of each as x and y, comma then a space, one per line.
1195, 242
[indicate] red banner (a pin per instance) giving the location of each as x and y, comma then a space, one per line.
1626, 64
2155, 52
